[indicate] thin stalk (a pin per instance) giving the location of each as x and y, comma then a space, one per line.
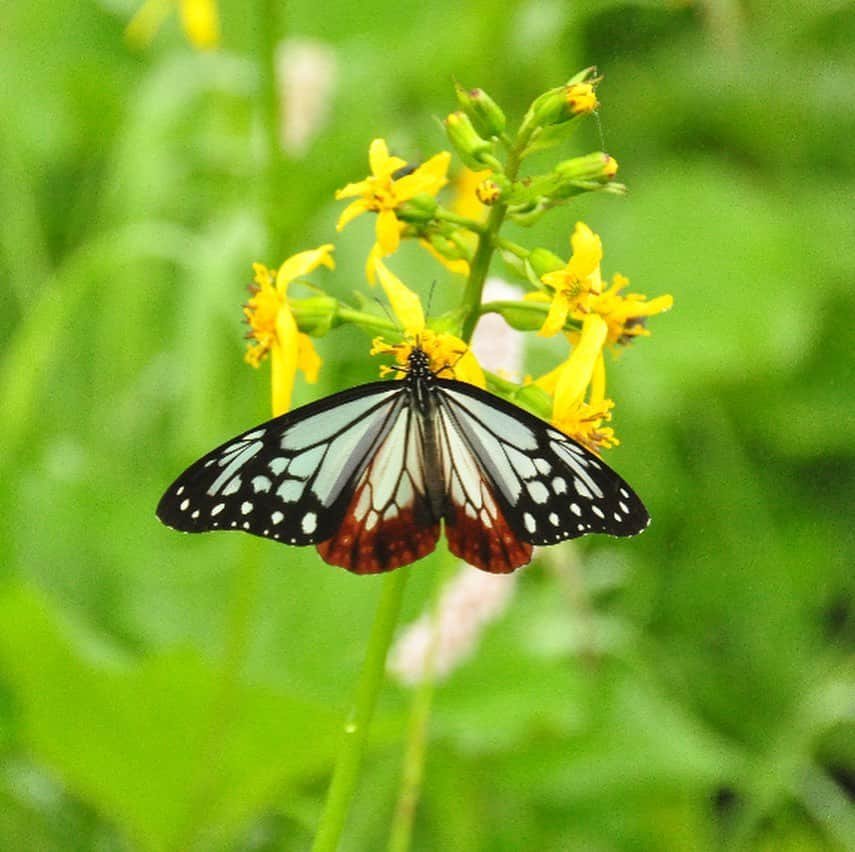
417, 732
480, 265
355, 731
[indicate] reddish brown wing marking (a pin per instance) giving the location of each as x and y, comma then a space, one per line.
368, 543
493, 548
475, 527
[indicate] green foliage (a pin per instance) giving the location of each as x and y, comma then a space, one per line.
690, 689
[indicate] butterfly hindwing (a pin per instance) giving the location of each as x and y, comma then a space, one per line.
475, 523
549, 487
389, 520
289, 478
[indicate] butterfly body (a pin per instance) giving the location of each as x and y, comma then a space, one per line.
369, 474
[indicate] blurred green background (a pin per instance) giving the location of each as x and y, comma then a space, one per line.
690, 689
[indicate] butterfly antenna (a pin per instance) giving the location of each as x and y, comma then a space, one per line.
430, 297
386, 311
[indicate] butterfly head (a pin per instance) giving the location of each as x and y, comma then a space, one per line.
432, 354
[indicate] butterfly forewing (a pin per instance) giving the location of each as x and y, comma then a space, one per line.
548, 487
288, 479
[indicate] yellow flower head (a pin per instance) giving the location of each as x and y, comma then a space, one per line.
200, 21
449, 356
274, 329
577, 283
388, 186
626, 315
583, 373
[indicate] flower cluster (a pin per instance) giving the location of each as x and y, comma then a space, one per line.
567, 298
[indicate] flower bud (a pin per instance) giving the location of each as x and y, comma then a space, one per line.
486, 115
471, 147
491, 189
419, 208
542, 261
314, 315
596, 166
575, 98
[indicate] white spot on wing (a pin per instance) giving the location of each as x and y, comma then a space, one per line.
581, 488
538, 491
277, 464
245, 507
261, 483
232, 487
309, 523
529, 521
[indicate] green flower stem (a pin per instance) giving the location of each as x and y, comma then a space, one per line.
480, 265
514, 248
369, 322
417, 732
355, 731
445, 215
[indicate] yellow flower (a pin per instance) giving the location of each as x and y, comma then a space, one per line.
383, 193
200, 21
274, 329
449, 356
577, 282
626, 315
583, 373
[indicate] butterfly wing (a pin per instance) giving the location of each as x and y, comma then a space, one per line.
547, 487
389, 520
288, 479
475, 518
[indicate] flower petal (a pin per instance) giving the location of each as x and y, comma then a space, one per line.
303, 263
201, 23
405, 303
575, 375
362, 187
354, 209
587, 251
429, 177
308, 360
388, 231
557, 315
382, 165
283, 358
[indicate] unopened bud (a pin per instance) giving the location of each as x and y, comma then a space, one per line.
474, 150
575, 98
314, 315
486, 115
542, 261
491, 189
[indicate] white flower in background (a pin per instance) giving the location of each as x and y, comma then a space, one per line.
468, 603
307, 71
496, 345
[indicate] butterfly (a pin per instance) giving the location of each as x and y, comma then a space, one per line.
367, 475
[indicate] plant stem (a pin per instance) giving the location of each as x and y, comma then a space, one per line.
355, 731
414, 755
484, 252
